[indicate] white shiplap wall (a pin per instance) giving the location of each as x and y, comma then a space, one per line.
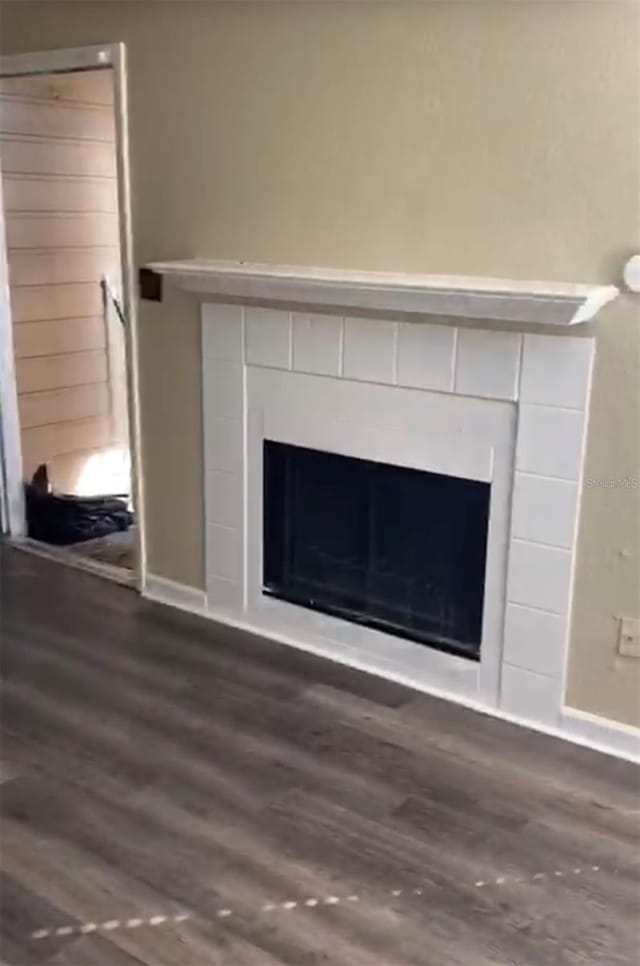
57, 148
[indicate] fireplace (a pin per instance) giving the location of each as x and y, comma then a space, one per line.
468, 438
397, 495
393, 548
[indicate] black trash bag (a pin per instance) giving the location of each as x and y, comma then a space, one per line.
62, 519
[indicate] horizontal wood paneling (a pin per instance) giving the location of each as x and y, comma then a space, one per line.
24, 156
57, 372
86, 87
59, 194
43, 443
61, 231
59, 120
58, 336
35, 303
60, 265
59, 405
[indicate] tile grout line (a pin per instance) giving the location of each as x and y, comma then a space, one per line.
287, 905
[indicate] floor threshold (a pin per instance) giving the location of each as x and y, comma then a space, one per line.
63, 555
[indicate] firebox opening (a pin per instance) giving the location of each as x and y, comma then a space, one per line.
396, 549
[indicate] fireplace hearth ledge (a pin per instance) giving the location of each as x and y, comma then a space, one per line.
478, 300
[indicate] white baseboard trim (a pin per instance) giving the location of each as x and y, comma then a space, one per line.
173, 594
579, 727
606, 735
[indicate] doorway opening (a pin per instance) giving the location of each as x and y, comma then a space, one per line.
70, 315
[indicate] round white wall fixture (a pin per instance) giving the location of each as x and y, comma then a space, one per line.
632, 274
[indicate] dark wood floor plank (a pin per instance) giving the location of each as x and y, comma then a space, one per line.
94, 951
157, 762
578, 791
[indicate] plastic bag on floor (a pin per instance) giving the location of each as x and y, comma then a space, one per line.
62, 519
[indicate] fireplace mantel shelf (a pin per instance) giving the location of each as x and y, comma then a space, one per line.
477, 299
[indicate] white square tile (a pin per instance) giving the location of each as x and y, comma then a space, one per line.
531, 696
539, 576
268, 338
223, 594
544, 510
224, 553
369, 350
224, 498
550, 441
223, 445
222, 389
488, 363
425, 356
317, 343
222, 332
535, 640
556, 370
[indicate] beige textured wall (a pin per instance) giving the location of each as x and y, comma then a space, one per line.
479, 138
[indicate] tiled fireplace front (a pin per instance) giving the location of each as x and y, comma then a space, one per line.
503, 409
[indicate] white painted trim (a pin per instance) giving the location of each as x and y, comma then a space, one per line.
165, 591
543, 303
11, 488
62, 61
599, 734
604, 734
118, 55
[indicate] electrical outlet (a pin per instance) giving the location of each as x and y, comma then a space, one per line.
629, 637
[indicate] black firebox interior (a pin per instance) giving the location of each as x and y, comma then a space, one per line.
396, 549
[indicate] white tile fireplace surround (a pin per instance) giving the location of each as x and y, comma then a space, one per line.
494, 406
507, 408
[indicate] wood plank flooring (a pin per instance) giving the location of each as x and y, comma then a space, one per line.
175, 793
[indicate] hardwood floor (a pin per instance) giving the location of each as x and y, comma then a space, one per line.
175, 793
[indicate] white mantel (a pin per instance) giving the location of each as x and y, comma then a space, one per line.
475, 299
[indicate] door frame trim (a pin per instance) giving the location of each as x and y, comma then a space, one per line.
66, 60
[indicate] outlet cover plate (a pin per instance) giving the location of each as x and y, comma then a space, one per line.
629, 637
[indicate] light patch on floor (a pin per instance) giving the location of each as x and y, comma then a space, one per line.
288, 905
